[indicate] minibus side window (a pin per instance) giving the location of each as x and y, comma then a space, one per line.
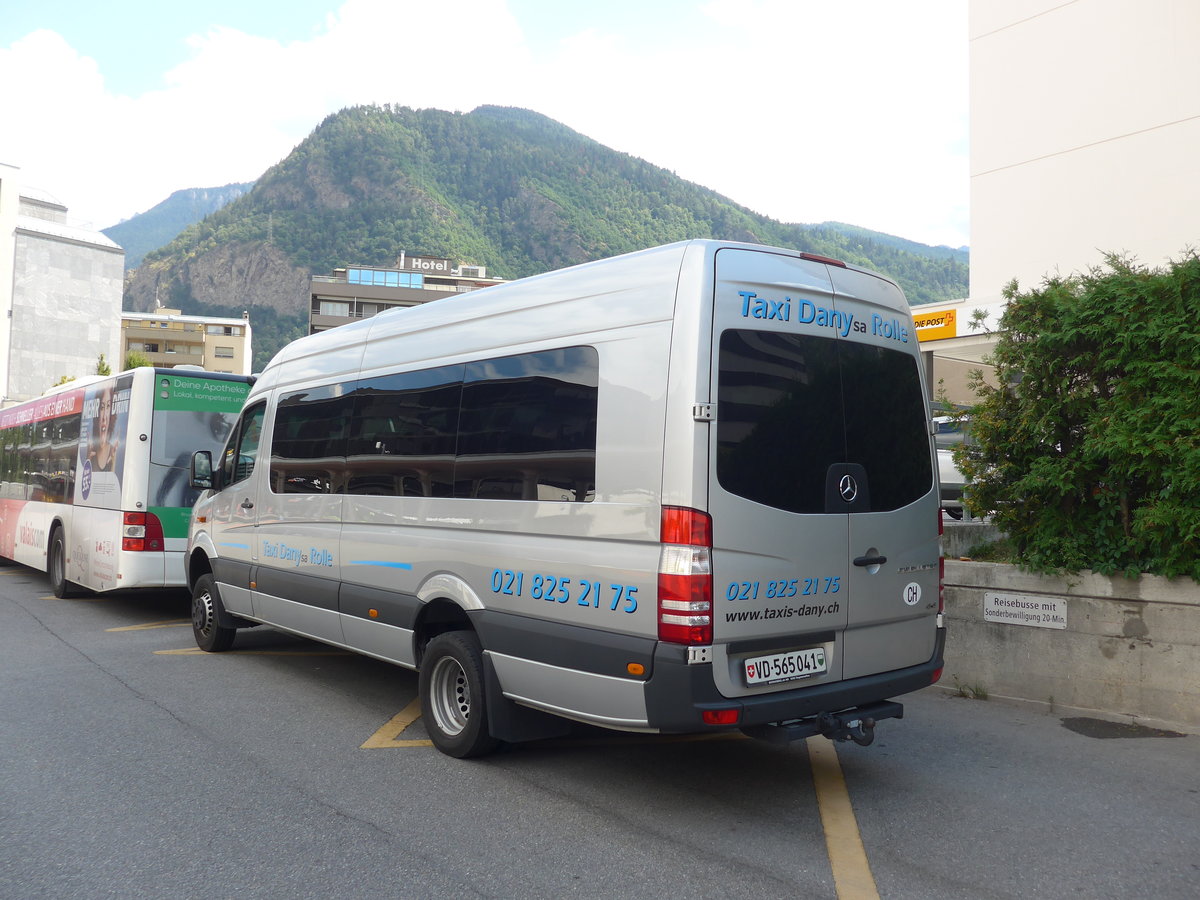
404, 432
241, 453
528, 427
308, 444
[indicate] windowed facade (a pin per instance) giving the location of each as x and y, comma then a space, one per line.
334, 308
361, 292
385, 278
167, 338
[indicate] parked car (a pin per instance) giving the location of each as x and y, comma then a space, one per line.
949, 432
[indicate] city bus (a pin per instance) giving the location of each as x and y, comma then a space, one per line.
94, 475
688, 489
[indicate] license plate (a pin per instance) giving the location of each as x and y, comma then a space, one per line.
785, 666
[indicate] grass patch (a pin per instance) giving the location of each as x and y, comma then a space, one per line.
1000, 550
974, 691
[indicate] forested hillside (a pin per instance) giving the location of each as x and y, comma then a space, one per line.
160, 224
501, 187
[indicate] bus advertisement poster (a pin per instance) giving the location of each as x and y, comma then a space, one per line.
102, 443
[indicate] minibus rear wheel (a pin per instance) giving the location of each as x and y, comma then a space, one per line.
207, 612
452, 695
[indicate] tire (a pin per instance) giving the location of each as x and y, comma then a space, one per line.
452, 695
56, 566
207, 611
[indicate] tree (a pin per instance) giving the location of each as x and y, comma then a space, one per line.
1088, 455
102, 366
133, 360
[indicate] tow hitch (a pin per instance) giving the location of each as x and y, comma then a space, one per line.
856, 725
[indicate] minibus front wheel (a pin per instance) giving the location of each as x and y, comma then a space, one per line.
452, 694
207, 612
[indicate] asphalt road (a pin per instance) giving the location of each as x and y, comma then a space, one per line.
132, 765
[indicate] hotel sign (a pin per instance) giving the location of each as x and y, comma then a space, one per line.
431, 265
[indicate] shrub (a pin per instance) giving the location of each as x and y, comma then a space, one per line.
1088, 455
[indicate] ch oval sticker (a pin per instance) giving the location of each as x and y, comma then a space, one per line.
911, 594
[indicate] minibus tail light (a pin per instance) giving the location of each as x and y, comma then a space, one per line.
827, 260
141, 532
685, 577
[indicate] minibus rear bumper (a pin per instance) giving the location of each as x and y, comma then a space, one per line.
678, 696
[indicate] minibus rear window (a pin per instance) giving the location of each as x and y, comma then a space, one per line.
791, 405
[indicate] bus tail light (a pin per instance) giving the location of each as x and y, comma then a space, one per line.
141, 532
685, 577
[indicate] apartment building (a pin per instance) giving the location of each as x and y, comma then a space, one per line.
168, 338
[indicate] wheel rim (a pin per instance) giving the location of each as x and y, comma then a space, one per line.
58, 565
450, 695
202, 613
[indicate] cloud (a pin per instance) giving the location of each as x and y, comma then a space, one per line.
801, 110
57, 115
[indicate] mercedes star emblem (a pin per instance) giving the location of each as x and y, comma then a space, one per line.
848, 488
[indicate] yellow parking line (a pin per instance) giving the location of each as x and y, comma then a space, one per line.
852, 876
847, 856
170, 623
388, 734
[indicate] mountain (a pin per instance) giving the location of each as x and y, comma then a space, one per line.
160, 224
502, 187
865, 235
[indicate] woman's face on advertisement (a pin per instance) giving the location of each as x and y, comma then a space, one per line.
105, 412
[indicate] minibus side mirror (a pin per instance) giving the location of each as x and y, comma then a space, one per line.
201, 473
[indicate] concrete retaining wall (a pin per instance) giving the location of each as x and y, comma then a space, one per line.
1130, 649
959, 538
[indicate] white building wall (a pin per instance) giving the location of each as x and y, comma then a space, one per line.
66, 309
1085, 135
9, 204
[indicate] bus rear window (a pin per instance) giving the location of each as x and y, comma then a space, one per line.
792, 405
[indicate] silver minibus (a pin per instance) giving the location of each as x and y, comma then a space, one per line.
689, 489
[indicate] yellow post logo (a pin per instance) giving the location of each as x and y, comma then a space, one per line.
933, 326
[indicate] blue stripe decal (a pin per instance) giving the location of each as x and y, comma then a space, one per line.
231, 544
378, 562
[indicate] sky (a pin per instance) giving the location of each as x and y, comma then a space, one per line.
802, 110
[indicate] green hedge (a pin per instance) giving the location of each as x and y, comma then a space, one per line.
1088, 456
